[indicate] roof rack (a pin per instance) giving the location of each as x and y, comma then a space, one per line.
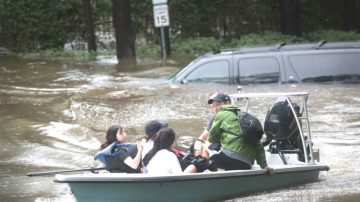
225, 50
323, 44
319, 44
279, 45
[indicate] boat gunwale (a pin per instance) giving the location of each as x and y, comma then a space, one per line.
273, 94
143, 178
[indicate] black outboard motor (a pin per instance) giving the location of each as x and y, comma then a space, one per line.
282, 130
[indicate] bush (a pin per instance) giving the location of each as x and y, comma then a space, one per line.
148, 49
332, 35
265, 39
196, 46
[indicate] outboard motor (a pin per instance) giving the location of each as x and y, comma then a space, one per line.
282, 130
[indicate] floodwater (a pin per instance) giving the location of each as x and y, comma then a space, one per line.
53, 116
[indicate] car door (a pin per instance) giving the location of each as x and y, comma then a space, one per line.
324, 65
217, 70
259, 69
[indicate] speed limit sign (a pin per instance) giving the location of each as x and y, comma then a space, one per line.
161, 15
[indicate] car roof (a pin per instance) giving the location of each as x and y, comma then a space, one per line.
321, 45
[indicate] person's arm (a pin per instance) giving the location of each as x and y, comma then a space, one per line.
134, 162
261, 159
260, 155
190, 169
204, 135
215, 133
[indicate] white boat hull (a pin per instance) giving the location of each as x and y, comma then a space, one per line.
184, 187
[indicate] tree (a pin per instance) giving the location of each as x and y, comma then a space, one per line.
39, 24
125, 40
89, 26
352, 16
290, 17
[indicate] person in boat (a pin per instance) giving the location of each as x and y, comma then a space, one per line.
151, 129
235, 153
200, 151
117, 155
161, 159
204, 135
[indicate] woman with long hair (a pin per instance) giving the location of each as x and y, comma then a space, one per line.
151, 129
117, 155
161, 159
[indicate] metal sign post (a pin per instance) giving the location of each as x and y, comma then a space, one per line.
161, 19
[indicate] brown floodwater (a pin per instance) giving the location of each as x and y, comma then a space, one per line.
53, 116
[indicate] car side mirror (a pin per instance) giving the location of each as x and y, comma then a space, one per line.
184, 81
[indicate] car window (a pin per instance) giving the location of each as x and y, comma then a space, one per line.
258, 70
327, 67
217, 71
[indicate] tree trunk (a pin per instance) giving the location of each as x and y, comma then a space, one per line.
89, 26
125, 42
352, 16
290, 17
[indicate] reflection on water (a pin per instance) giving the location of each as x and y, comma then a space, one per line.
53, 116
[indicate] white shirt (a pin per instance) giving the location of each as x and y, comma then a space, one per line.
147, 147
162, 163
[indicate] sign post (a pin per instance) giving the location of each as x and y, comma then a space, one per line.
161, 19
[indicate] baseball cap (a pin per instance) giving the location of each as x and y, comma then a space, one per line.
220, 97
152, 127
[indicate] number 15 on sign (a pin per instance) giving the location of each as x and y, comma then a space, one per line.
161, 15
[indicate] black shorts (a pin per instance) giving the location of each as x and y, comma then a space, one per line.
223, 161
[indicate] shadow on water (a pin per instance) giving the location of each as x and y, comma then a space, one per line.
53, 115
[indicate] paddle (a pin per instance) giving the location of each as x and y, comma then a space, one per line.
63, 171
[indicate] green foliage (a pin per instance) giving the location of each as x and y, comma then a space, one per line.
196, 26
202, 45
332, 35
265, 38
148, 49
33, 25
39, 24
196, 46
324, 15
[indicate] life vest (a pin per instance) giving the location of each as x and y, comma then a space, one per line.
113, 147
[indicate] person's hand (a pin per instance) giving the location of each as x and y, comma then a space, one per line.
140, 145
270, 171
198, 145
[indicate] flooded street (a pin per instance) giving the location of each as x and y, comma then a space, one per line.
53, 116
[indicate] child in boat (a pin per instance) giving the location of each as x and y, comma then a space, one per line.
151, 129
161, 159
117, 155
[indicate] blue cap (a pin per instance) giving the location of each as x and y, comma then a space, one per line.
220, 97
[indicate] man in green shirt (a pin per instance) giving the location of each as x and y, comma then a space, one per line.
235, 153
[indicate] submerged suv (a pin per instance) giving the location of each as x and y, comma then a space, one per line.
281, 63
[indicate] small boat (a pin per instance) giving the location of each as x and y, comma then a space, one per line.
289, 150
